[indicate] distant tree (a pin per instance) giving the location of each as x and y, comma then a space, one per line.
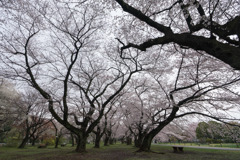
35, 112
202, 131
213, 131
9, 113
231, 132
60, 131
111, 121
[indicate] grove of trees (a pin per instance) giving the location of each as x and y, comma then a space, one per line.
122, 68
214, 132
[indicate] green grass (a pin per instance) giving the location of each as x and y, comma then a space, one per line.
228, 145
115, 152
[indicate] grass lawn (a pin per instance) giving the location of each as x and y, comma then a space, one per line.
228, 145
115, 152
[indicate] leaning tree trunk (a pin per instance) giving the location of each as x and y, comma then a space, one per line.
146, 143
24, 142
147, 140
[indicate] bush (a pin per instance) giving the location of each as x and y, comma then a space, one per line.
12, 142
13, 138
49, 140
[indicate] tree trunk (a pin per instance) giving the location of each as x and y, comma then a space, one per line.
57, 142
147, 140
72, 138
129, 140
111, 141
138, 141
33, 141
81, 144
24, 142
97, 142
146, 143
106, 141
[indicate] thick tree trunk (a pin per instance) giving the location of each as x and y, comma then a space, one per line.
147, 140
138, 141
146, 143
81, 144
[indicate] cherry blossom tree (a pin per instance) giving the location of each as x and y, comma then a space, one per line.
186, 86
66, 51
101, 129
111, 120
184, 131
57, 49
35, 117
9, 113
207, 26
60, 131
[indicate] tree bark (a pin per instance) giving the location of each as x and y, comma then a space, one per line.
111, 140
24, 142
34, 141
129, 140
106, 141
226, 52
138, 141
25, 139
57, 142
81, 144
97, 142
146, 143
72, 138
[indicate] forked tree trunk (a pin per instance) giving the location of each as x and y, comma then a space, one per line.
146, 143
138, 141
147, 140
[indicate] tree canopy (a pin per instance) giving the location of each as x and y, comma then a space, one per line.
209, 26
